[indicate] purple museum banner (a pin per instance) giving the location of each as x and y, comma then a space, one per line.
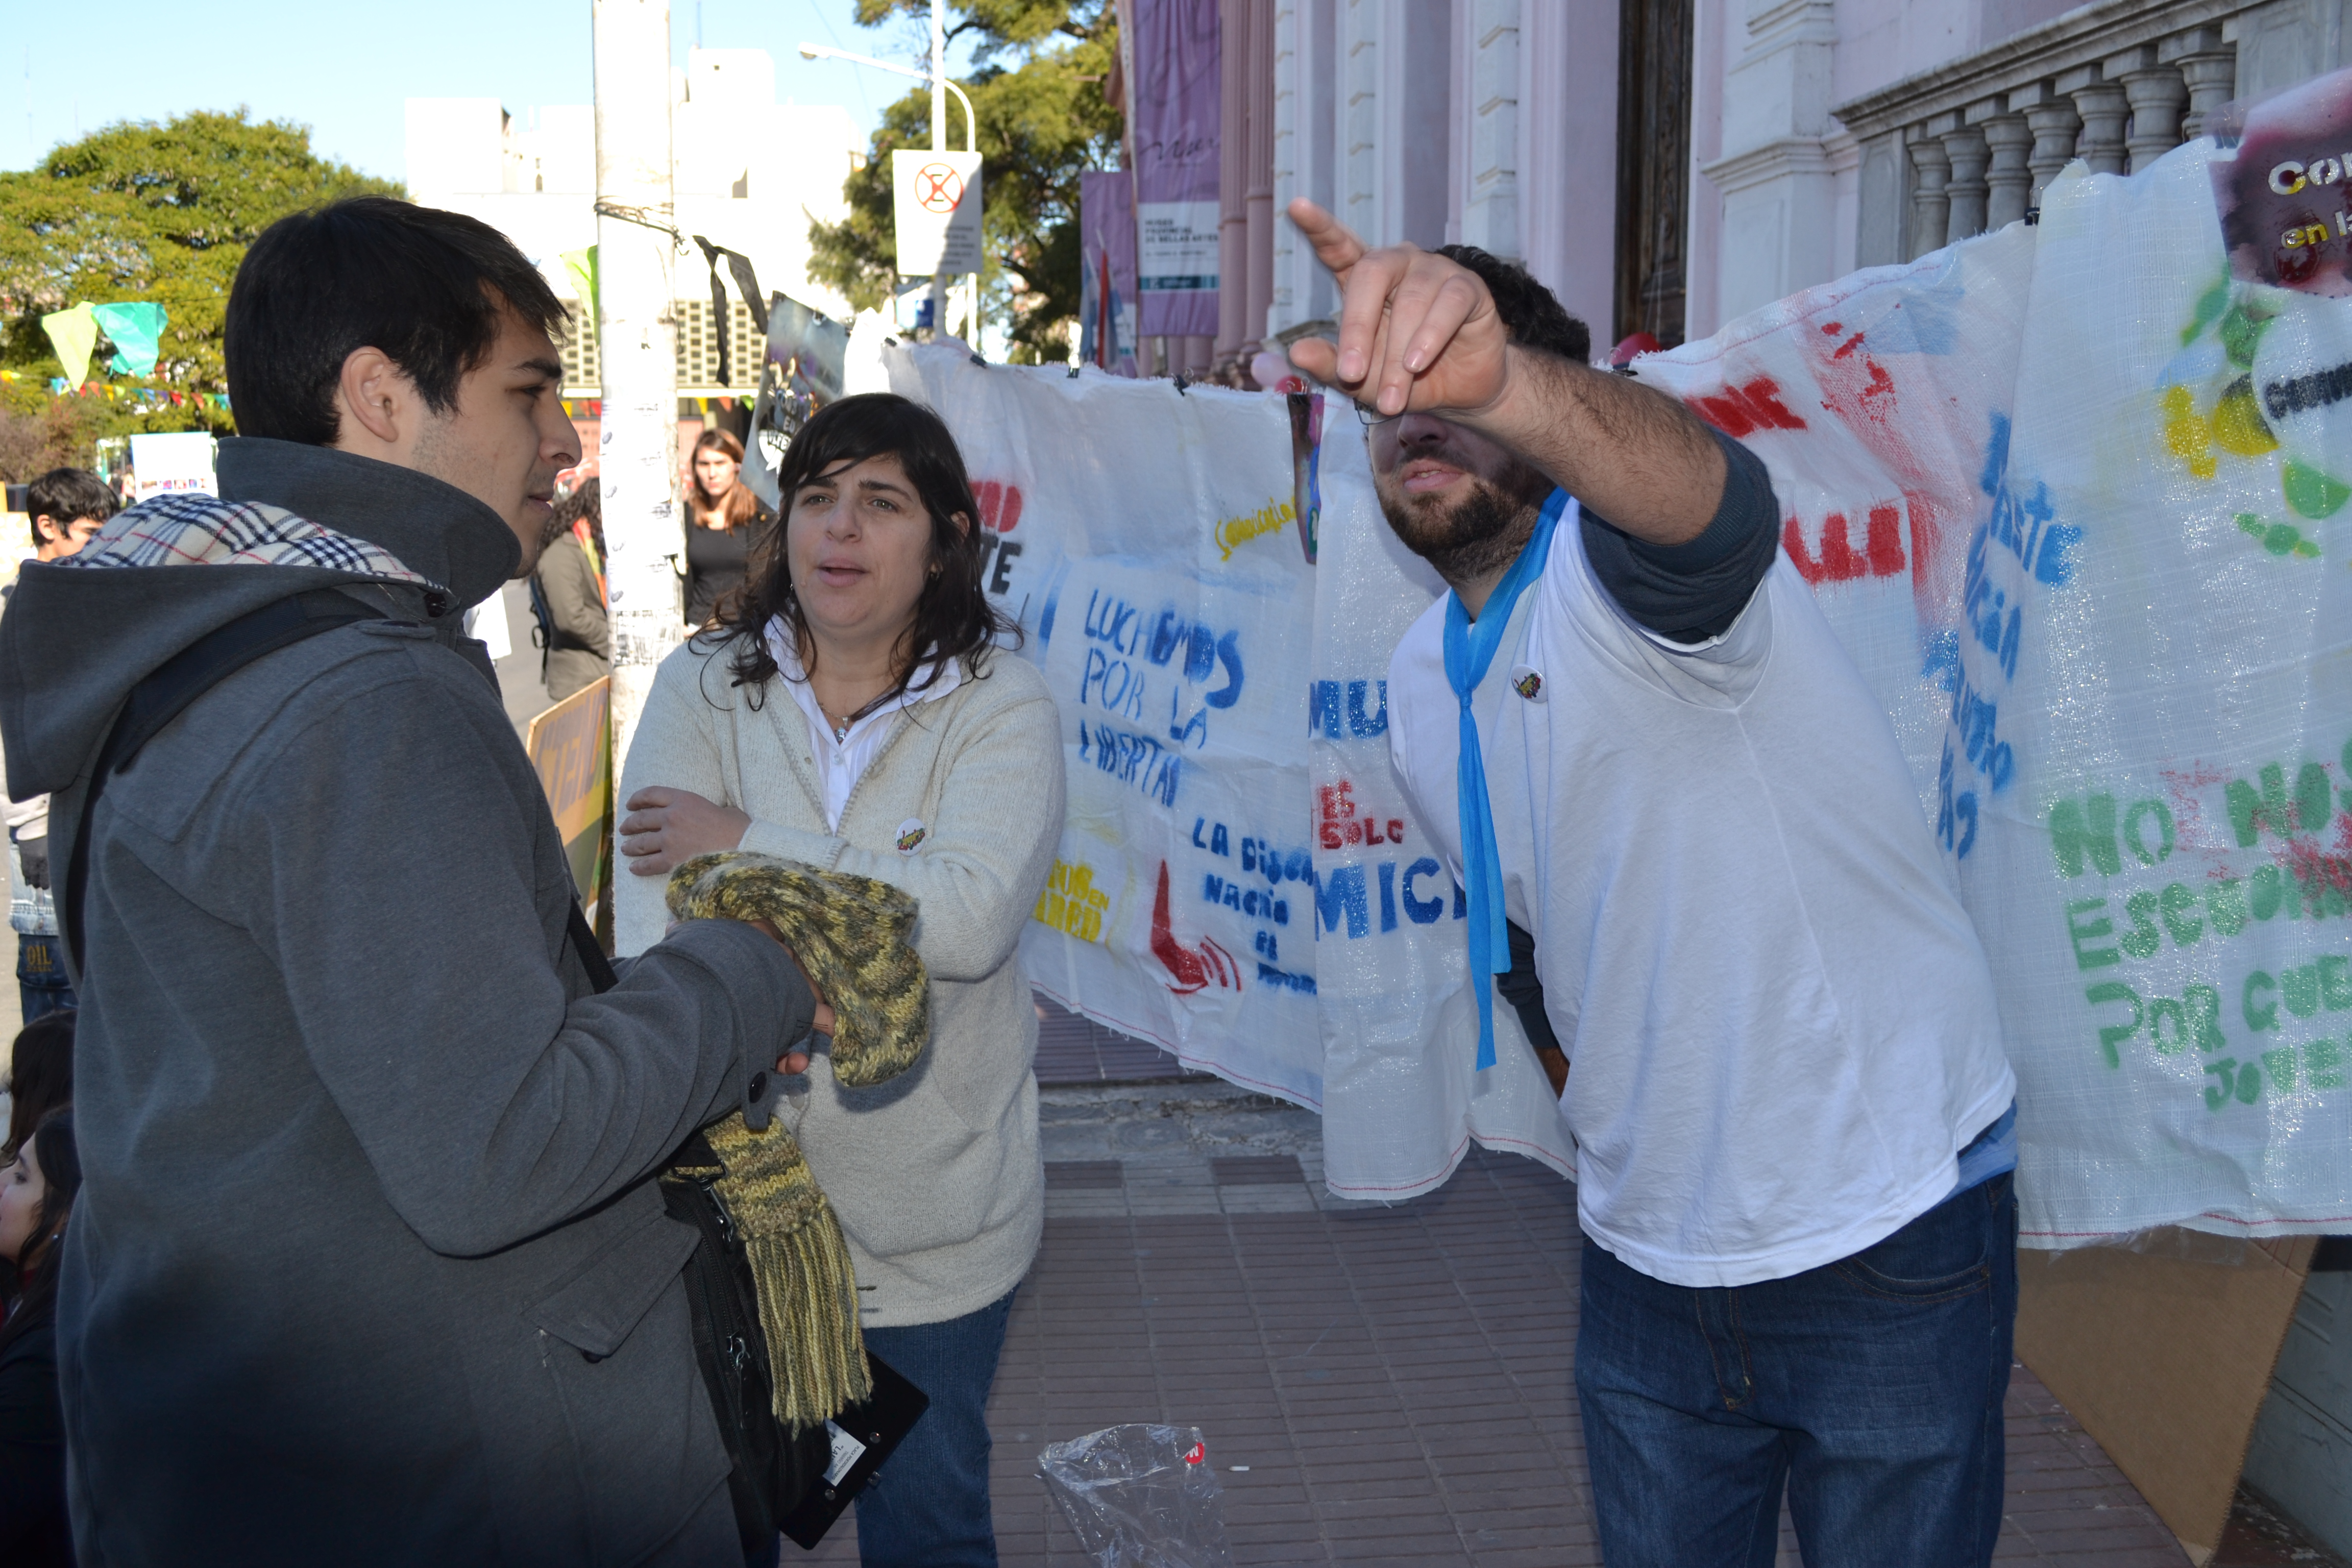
1107, 332
1174, 105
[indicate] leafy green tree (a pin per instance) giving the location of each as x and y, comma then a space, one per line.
1037, 94
142, 211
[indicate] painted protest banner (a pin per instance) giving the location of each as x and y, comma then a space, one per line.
1238, 879
1174, 95
2074, 495
1106, 329
571, 749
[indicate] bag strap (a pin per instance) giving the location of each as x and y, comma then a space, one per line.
591, 951
180, 680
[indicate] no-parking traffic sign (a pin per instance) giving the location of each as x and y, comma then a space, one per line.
938, 212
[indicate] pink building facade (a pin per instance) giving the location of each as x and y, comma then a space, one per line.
1666, 165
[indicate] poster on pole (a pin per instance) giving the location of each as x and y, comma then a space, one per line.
1177, 140
937, 202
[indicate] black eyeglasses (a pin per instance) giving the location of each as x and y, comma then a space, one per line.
1371, 417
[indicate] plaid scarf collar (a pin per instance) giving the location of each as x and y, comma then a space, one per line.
190, 529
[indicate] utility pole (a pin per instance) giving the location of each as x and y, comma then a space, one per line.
940, 144
637, 255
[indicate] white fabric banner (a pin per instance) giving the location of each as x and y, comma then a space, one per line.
2058, 490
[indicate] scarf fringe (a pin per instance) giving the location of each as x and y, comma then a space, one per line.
808, 1310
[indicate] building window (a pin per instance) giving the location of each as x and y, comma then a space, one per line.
698, 346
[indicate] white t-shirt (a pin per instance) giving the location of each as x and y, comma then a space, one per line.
843, 763
1780, 1023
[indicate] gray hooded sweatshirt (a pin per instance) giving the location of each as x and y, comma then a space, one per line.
366, 1267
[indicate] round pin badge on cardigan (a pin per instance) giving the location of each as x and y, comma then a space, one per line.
1528, 682
912, 833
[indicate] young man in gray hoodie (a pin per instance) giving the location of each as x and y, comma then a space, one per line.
366, 1267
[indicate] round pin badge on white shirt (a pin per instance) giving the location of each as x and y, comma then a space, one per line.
1527, 681
912, 833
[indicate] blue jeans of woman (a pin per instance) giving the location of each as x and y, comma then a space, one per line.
927, 1507
1872, 1387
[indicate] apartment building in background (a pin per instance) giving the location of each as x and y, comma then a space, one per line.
751, 174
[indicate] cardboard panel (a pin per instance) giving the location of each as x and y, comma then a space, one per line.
2165, 1356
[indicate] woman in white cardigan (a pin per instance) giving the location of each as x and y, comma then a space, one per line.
854, 711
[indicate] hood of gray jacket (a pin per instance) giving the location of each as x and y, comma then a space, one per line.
74, 641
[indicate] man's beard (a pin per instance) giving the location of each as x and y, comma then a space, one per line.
1480, 534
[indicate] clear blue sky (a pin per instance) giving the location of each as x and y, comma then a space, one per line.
344, 70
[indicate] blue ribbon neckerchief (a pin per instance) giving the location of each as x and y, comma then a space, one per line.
1469, 649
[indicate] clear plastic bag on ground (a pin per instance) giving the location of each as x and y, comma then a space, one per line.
1141, 1496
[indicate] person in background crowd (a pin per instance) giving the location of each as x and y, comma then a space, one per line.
567, 595
36, 1193
723, 521
66, 506
853, 709
368, 1266
40, 1075
1633, 734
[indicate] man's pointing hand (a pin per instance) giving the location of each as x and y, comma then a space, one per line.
1417, 332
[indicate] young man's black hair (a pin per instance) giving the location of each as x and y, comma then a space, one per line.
423, 285
1530, 312
64, 496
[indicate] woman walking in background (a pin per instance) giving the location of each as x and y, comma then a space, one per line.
723, 521
567, 595
853, 710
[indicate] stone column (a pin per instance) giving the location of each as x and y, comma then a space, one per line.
1931, 172
2009, 180
1233, 174
1257, 204
2102, 105
2157, 95
1966, 148
2054, 123
2212, 77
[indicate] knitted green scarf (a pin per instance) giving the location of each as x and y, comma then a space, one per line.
855, 938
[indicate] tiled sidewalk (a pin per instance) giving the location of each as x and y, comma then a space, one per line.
1397, 1380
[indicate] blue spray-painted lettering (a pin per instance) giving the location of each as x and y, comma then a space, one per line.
1113, 620
1956, 811
1278, 866
1340, 893
1367, 709
2024, 519
1302, 983
1423, 912
1975, 717
1111, 683
1137, 759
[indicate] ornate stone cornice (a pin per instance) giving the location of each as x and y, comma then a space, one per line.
2086, 34
1772, 161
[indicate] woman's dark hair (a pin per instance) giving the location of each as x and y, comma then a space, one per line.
423, 285
953, 619
586, 498
55, 1150
41, 1074
1531, 313
741, 506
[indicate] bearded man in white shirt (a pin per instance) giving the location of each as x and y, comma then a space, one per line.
1695, 860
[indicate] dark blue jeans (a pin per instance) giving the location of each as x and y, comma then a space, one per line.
41, 982
928, 1506
1870, 1386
